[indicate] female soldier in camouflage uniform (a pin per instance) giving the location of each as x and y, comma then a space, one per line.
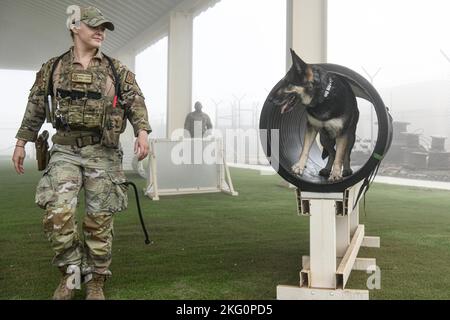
91, 97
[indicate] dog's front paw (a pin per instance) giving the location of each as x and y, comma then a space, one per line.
298, 168
335, 176
347, 172
325, 172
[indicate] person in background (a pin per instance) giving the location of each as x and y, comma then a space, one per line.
197, 119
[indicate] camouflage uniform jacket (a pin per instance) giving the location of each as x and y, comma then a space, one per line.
131, 98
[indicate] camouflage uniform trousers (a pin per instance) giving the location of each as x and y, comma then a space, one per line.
98, 170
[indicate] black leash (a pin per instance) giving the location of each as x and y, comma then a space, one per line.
128, 183
365, 186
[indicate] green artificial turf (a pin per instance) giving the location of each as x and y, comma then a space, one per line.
214, 246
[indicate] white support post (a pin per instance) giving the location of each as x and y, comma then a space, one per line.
354, 220
307, 30
179, 89
352, 209
342, 234
333, 247
153, 176
323, 243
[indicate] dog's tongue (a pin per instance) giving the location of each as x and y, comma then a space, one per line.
283, 108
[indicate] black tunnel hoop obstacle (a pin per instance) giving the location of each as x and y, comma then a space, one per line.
291, 128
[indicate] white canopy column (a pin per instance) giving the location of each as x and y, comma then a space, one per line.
307, 30
179, 88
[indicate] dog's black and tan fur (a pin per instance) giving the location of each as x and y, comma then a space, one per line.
332, 111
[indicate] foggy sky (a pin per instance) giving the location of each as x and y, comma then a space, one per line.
239, 48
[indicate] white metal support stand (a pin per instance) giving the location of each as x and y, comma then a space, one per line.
335, 239
154, 177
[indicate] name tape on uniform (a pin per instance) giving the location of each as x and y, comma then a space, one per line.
82, 77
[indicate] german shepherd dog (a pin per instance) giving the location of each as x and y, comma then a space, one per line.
331, 110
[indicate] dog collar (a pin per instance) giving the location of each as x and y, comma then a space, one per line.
328, 88
325, 84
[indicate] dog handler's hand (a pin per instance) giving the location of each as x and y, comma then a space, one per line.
141, 147
19, 157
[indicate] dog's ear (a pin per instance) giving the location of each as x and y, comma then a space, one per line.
298, 63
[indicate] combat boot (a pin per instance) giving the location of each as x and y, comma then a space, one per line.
94, 288
62, 292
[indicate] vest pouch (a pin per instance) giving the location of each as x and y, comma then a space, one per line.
114, 119
93, 114
75, 118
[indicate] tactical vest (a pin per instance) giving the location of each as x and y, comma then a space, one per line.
79, 111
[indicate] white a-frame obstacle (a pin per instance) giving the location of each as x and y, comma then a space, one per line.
335, 239
187, 166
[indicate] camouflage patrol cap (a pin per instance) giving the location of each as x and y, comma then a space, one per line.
93, 17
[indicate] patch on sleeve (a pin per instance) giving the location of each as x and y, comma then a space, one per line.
130, 78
